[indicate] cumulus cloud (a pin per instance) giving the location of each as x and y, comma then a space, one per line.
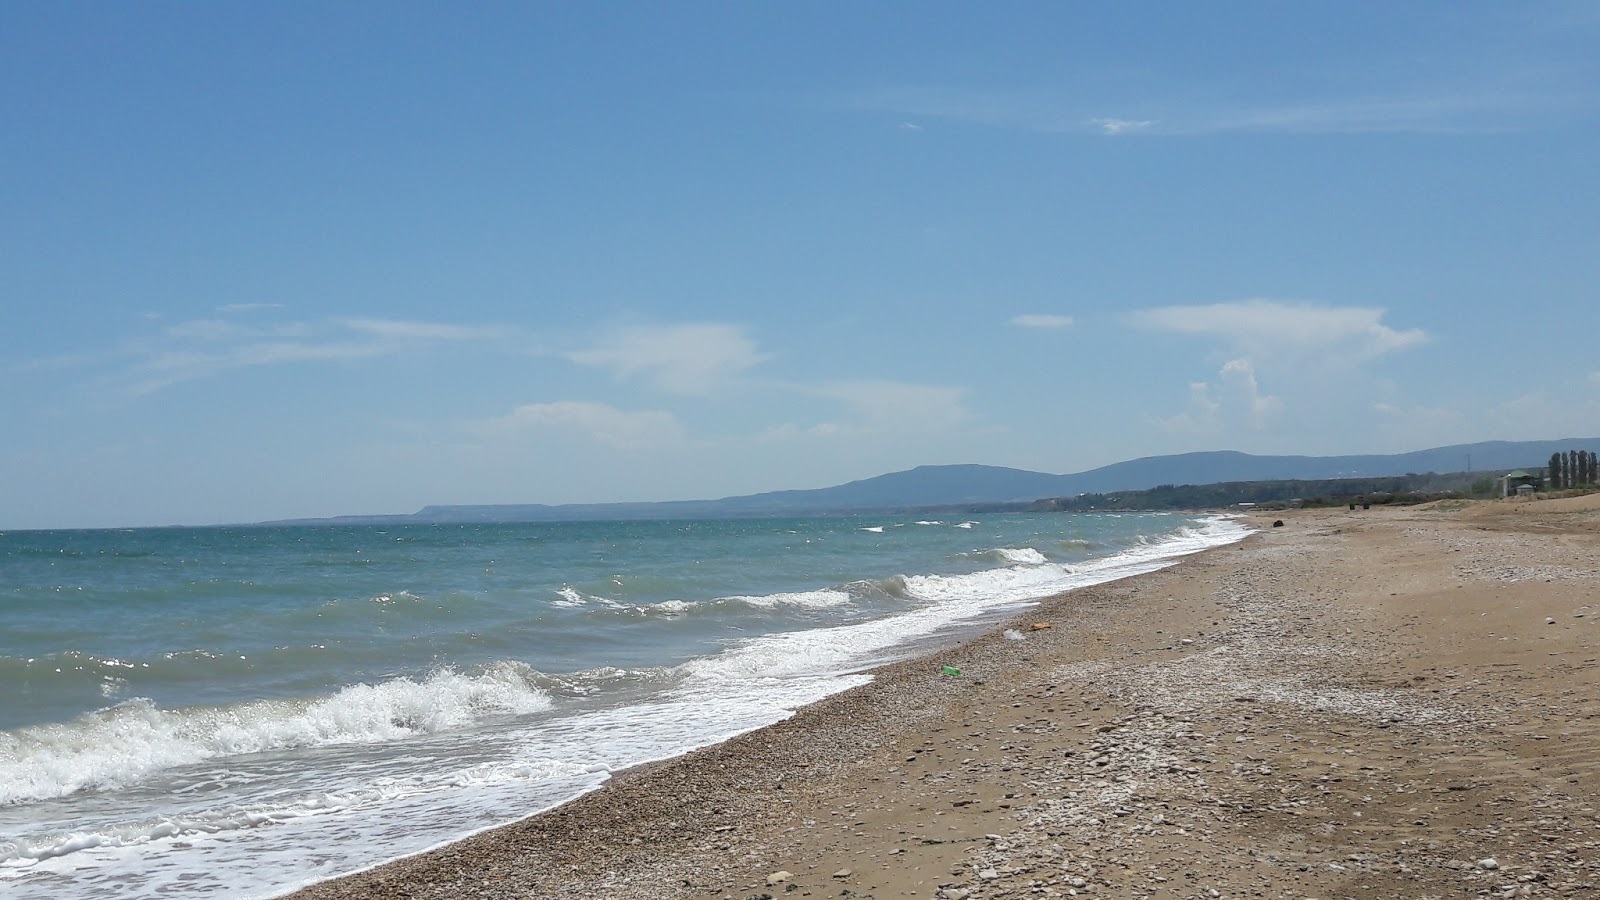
1239, 377
1199, 417
597, 422
1041, 320
684, 359
1234, 401
1272, 327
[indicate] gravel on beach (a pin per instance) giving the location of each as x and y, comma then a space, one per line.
1373, 703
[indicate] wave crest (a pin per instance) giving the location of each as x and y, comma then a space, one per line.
126, 743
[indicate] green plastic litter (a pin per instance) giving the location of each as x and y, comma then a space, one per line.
951, 670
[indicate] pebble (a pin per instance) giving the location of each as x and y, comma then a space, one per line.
1185, 767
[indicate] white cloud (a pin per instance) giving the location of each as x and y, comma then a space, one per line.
685, 359
789, 431
401, 330
247, 307
1042, 320
881, 408
1239, 377
1484, 107
901, 406
598, 422
1235, 402
1420, 113
204, 347
1274, 327
206, 330
1199, 418
1122, 126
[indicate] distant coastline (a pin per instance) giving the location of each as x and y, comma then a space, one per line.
979, 488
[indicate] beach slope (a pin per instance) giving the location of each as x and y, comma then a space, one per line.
1370, 703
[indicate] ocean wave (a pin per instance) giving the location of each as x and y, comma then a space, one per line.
572, 598
1012, 555
891, 588
944, 601
594, 682
125, 743
826, 598
28, 849
822, 599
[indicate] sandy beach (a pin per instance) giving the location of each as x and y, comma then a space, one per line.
1372, 703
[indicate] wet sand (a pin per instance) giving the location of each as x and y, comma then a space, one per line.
1380, 703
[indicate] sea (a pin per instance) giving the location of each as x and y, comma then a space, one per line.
241, 711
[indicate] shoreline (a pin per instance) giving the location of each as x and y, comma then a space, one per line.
1164, 737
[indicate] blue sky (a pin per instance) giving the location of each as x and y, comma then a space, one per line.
279, 260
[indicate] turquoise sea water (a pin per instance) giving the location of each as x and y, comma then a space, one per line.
237, 711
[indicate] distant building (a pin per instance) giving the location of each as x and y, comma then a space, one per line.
1519, 483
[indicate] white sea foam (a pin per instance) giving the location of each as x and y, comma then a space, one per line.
1021, 555
948, 600
875, 529
823, 599
403, 796
400, 804
572, 598
123, 744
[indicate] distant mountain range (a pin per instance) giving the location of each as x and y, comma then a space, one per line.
927, 487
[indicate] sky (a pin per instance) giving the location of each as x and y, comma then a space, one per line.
273, 260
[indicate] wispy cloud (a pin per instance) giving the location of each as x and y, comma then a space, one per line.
1275, 327
1041, 320
247, 307
597, 422
1453, 110
901, 405
400, 330
880, 407
684, 359
1486, 112
202, 348
1122, 126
